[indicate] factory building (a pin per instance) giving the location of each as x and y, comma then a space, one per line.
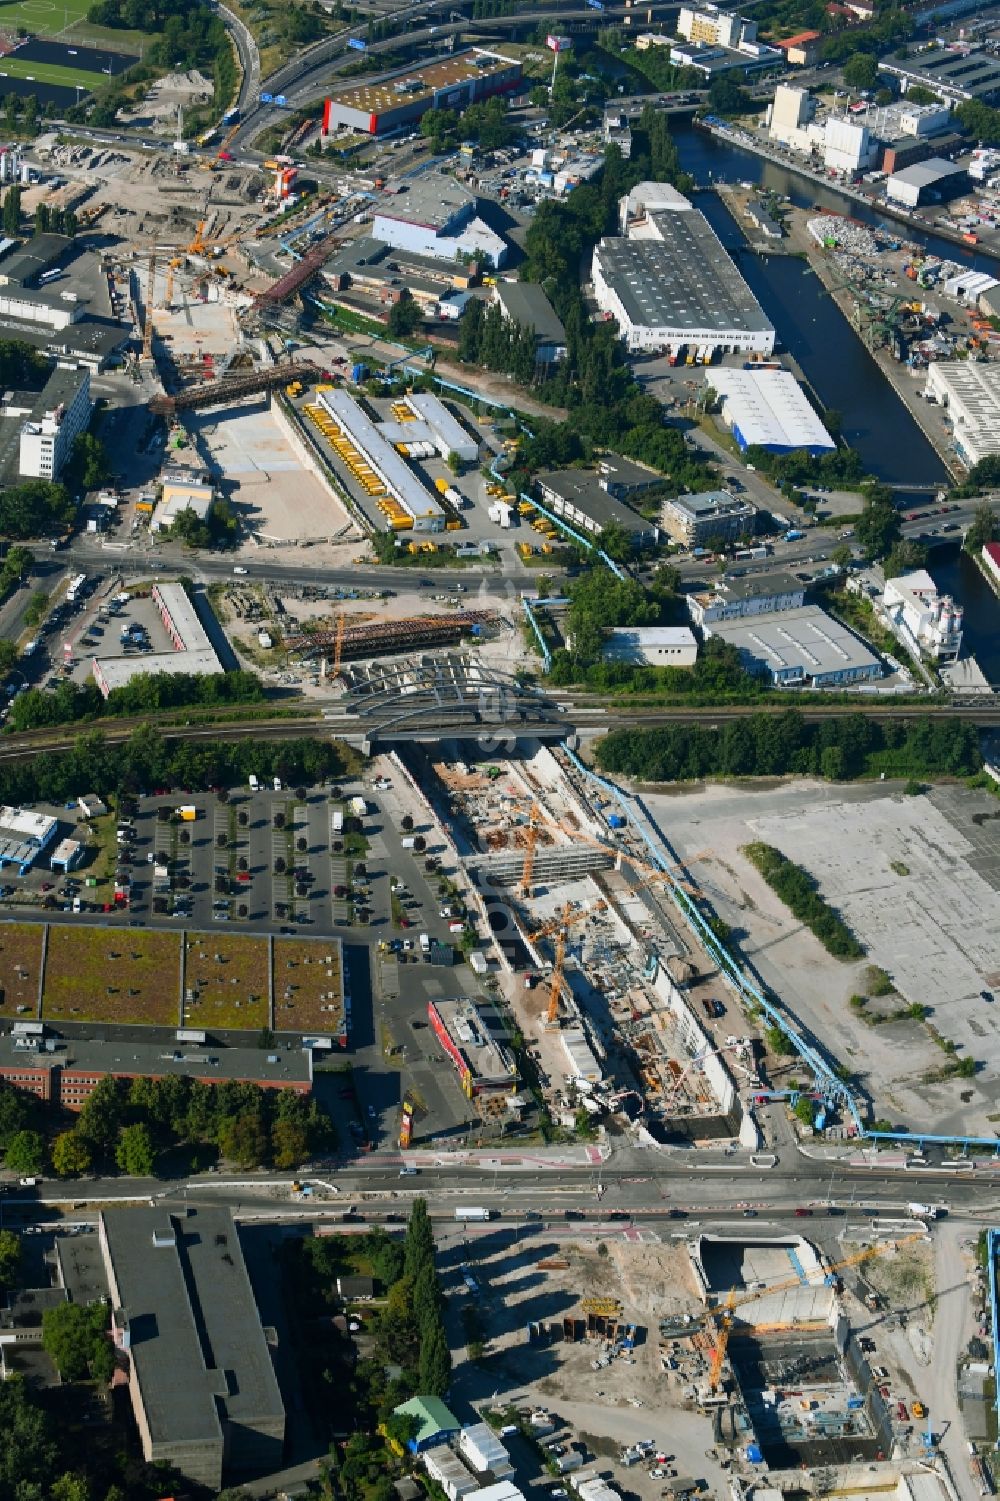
932, 181
848, 146
404, 97
200, 1377
971, 393
436, 216
670, 283
59, 415
790, 112
969, 73
483, 1452
651, 645
524, 303
402, 485
930, 623
768, 409
193, 652
24, 835
800, 647
583, 498
711, 516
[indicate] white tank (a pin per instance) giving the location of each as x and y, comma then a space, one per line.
25, 173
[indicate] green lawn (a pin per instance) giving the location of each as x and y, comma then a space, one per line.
67, 78
41, 16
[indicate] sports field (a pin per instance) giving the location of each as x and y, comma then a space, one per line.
46, 17
52, 73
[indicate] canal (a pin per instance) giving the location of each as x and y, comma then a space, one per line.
809, 324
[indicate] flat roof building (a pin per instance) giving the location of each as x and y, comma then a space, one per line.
59, 415
525, 303
582, 498
801, 646
709, 516
738, 599
435, 216
768, 409
447, 433
443, 1465
476, 1044
651, 645
671, 283
402, 98
202, 1384
971, 393
23, 267
24, 835
483, 1451
193, 652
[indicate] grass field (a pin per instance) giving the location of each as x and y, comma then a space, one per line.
41, 17
64, 78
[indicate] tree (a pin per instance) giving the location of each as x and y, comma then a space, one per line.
134, 1153
10, 1257
406, 823
420, 844
289, 1141
25, 1152
805, 1110
405, 316
861, 71
71, 1154
72, 1333
455, 463
8, 655
419, 1245
435, 1362
100, 1116
12, 211
877, 528
243, 1139
903, 557
983, 528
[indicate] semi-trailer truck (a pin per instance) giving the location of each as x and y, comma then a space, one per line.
477, 1215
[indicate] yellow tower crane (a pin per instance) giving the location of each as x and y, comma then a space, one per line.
723, 1318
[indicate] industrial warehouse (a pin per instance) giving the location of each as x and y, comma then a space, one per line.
669, 283
402, 98
768, 409
192, 650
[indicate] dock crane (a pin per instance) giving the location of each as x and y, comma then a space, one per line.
723, 1319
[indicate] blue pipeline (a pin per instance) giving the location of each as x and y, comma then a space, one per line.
530, 615
991, 1258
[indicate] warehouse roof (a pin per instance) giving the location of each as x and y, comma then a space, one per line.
806, 638
926, 174
527, 304
368, 439
682, 279
117, 672
964, 75
769, 408
423, 83
197, 1347
210, 1064
431, 409
35, 256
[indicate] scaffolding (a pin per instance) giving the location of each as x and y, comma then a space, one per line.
230, 388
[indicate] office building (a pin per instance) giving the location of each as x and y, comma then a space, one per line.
930, 623
404, 97
932, 181
59, 415
797, 647
436, 216
193, 651
651, 645
769, 409
583, 498
717, 28
200, 1377
971, 393
524, 303
743, 598
712, 517
670, 283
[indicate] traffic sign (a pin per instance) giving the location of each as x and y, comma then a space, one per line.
358, 46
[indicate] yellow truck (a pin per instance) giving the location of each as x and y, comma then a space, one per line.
188, 813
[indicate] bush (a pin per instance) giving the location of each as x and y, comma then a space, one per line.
877, 981
797, 890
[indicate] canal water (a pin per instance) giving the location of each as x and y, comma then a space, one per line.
842, 372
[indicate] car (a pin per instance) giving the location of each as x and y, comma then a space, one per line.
749, 1214
239, 569
803, 1214
47, 885
371, 1112
901, 1412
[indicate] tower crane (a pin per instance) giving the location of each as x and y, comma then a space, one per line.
531, 839
147, 322
723, 1319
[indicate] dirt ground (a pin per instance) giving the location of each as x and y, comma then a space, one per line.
906, 873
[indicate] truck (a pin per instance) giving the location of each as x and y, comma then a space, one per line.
188, 813
794, 536
29, 648
924, 1211
337, 821
478, 963
425, 943
408, 843
454, 497
476, 1215
254, 783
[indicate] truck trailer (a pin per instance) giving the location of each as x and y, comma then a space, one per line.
476, 1215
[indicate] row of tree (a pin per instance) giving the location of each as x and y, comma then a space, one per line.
35, 508
128, 1124
838, 748
797, 890
147, 693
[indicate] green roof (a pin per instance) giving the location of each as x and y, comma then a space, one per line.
433, 1417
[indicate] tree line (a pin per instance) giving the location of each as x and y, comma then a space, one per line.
185, 34
147, 693
839, 748
797, 890
147, 759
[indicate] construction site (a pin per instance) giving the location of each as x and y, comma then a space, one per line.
619, 1017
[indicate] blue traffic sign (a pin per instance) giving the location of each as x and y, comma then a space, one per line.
358, 46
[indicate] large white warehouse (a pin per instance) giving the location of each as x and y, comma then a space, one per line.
972, 395
768, 409
670, 283
394, 472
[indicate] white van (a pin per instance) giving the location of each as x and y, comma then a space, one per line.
425, 943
